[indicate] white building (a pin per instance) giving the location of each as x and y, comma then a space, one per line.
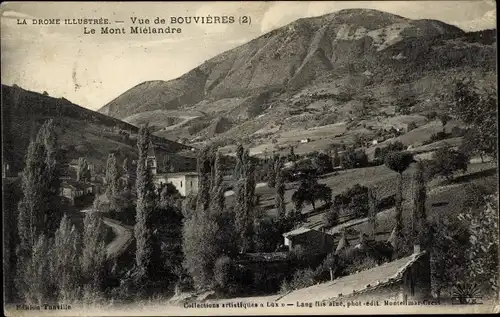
185, 182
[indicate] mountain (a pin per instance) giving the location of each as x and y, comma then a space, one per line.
349, 55
81, 132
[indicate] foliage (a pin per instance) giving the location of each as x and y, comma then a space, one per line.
447, 161
147, 245
266, 235
483, 252
398, 161
82, 170
223, 273
354, 199
309, 192
279, 198
448, 254
39, 207
64, 258
322, 162
332, 216
301, 279
200, 247
380, 155
169, 197
444, 118
93, 250
354, 159
112, 177
33, 280
420, 227
478, 109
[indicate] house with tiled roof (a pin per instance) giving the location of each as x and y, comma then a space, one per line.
405, 278
313, 240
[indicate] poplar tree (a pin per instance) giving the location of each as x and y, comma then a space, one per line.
420, 230
146, 242
204, 179
38, 209
201, 232
93, 251
372, 213
279, 199
217, 197
65, 261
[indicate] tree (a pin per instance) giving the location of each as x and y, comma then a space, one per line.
420, 229
279, 198
336, 157
93, 250
322, 162
217, 197
372, 213
354, 159
223, 272
332, 216
483, 252
82, 171
169, 197
309, 191
444, 118
33, 280
64, 259
147, 246
39, 207
478, 109
204, 175
398, 162
112, 180
447, 161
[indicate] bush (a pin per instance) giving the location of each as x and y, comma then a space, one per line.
223, 272
447, 161
355, 199
301, 279
354, 159
380, 153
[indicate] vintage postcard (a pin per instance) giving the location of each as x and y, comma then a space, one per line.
249, 158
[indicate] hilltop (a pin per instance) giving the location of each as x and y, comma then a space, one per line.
81, 132
313, 72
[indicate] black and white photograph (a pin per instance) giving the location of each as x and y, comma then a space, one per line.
249, 158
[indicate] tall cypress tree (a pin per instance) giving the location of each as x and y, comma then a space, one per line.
204, 176
217, 191
39, 208
279, 198
372, 213
146, 242
419, 220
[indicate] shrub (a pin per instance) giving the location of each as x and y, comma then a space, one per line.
354, 159
447, 161
223, 272
301, 279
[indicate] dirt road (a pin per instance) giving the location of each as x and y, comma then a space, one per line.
123, 237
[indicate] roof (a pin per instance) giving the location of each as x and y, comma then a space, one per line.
297, 232
178, 174
75, 184
355, 283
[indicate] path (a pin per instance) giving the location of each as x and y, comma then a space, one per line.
185, 119
231, 192
123, 236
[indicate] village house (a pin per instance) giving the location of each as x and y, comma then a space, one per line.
103, 203
73, 189
405, 279
305, 140
185, 182
313, 240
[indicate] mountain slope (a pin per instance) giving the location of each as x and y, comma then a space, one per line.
288, 57
340, 68
81, 132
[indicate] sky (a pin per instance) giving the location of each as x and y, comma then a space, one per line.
93, 69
